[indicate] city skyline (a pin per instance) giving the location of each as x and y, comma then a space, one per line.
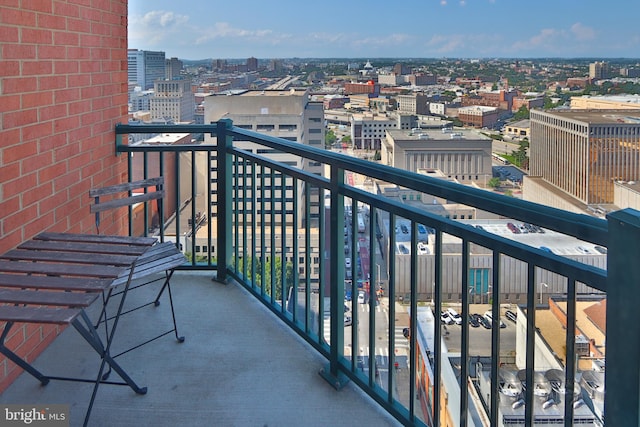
433, 29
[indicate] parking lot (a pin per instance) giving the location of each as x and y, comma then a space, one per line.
480, 337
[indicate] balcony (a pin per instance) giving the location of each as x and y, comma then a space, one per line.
279, 237
237, 366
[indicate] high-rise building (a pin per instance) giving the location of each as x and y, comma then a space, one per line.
285, 114
145, 67
599, 70
173, 99
173, 67
252, 64
584, 152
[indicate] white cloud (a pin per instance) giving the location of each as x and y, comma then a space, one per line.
582, 32
162, 18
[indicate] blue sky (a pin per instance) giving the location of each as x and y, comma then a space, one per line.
198, 29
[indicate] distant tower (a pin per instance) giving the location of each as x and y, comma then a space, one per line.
252, 64
145, 67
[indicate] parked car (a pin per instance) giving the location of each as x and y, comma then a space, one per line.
406, 332
510, 315
484, 322
457, 319
360, 297
404, 228
348, 321
489, 316
511, 226
347, 262
473, 321
446, 318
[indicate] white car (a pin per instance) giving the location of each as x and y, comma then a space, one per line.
347, 262
457, 319
489, 316
360, 297
446, 318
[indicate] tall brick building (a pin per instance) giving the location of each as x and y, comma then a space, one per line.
63, 74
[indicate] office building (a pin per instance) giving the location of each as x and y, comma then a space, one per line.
145, 67
582, 153
252, 64
416, 103
173, 67
478, 116
368, 129
599, 70
287, 114
173, 100
462, 155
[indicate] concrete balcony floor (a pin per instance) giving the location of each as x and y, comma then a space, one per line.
239, 366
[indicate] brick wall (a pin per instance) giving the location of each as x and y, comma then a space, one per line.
63, 87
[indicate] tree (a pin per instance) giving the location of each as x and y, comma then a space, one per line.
494, 182
522, 113
346, 139
329, 138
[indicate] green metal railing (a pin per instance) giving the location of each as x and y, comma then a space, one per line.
268, 225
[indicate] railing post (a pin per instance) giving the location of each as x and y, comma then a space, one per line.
622, 375
224, 202
336, 280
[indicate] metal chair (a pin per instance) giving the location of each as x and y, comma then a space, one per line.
158, 263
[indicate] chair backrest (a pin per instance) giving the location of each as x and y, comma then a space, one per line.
127, 194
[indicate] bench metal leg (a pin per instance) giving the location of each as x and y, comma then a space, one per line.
167, 285
44, 380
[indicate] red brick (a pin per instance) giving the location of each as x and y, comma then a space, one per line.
16, 220
9, 68
36, 35
18, 51
90, 66
37, 130
30, 68
54, 22
52, 112
37, 5
21, 183
10, 238
37, 162
64, 8
19, 151
66, 67
66, 95
63, 181
20, 118
78, 53
16, 336
78, 25
43, 222
56, 142
12, 204
51, 171
52, 82
9, 34
51, 52
10, 103
14, 85
18, 17
66, 38
79, 80
35, 99
67, 124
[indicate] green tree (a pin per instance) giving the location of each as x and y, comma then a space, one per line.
522, 113
346, 139
329, 138
494, 182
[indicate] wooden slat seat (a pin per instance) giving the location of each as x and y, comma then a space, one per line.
55, 298
12, 313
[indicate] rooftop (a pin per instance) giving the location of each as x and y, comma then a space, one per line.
239, 365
